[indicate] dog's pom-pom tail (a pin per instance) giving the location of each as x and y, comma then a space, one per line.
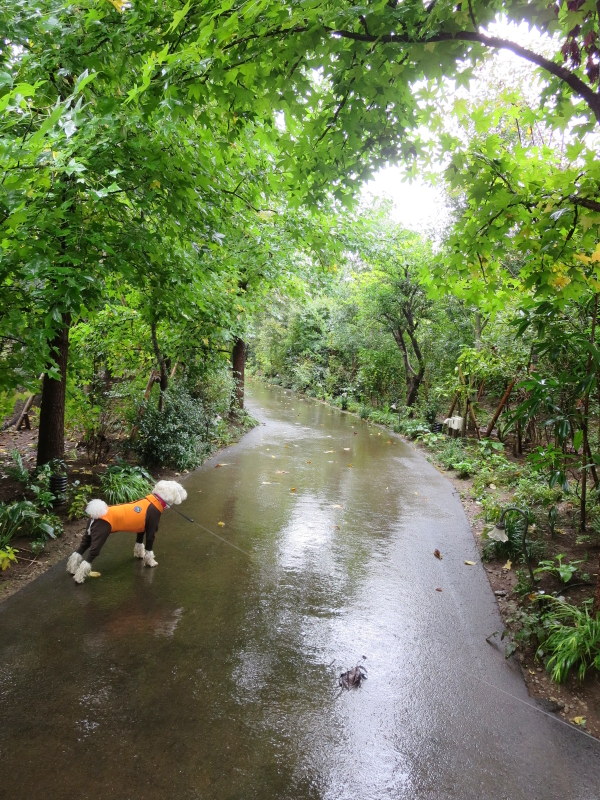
83, 570
73, 563
149, 560
96, 509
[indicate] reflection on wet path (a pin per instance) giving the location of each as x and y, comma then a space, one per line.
215, 675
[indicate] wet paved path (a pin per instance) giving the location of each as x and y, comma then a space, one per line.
214, 675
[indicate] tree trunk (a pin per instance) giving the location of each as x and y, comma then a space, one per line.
238, 365
51, 435
498, 411
163, 365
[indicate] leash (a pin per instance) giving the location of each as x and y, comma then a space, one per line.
212, 533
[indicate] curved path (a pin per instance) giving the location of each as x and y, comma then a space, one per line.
215, 675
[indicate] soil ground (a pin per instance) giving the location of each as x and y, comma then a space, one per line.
573, 701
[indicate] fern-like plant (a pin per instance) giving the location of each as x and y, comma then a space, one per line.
123, 483
573, 642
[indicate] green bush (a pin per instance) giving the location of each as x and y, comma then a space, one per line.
512, 548
123, 483
383, 418
555, 566
452, 453
179, 436
77, 498
24, 519
573, 641
8, 557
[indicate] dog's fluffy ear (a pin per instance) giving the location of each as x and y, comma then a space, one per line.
96, 509
171, 492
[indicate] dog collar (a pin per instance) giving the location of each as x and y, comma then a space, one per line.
163, 503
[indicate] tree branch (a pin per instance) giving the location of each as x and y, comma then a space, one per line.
565, 75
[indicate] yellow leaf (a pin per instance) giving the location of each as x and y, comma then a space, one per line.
596, 254
508, 565
155, 185
118, 4
221, 524
560, 281
470, 563
293, 489
579, 721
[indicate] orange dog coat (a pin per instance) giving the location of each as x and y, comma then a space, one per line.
131, 517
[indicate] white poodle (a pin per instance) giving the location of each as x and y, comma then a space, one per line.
141, 517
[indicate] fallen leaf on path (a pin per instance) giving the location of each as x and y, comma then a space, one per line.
221, 524
282, 472
293, 489
437, 554
309, 462
470, 563
346, 448
508, 565
337, 506
439, 590
348, 465
579, 720
328, 451
265, 483
221, 465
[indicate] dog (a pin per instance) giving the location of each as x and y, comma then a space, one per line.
141, 517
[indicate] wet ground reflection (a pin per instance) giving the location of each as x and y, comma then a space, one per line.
216, 675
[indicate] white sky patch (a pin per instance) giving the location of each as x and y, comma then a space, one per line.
417, 205
422, 207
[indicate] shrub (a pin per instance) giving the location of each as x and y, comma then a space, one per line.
23, 519
77, 498
18, 471
8, 557
555, 566
123, 483
512, 548
573, 642
452, 453
179, 436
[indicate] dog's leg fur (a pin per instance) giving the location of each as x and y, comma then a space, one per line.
73, 562
139, 551
149, 560
83, 570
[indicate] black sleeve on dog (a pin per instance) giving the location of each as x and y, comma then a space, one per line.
152, 520
140, 538
99, 533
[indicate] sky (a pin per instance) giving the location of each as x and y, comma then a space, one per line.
416, 205
420, 206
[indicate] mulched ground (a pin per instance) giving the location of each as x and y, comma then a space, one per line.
573, 699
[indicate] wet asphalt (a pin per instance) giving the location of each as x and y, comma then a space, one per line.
215, 675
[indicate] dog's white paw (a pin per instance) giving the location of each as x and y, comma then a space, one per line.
73, 563
83, 570
149, 560
139, 551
